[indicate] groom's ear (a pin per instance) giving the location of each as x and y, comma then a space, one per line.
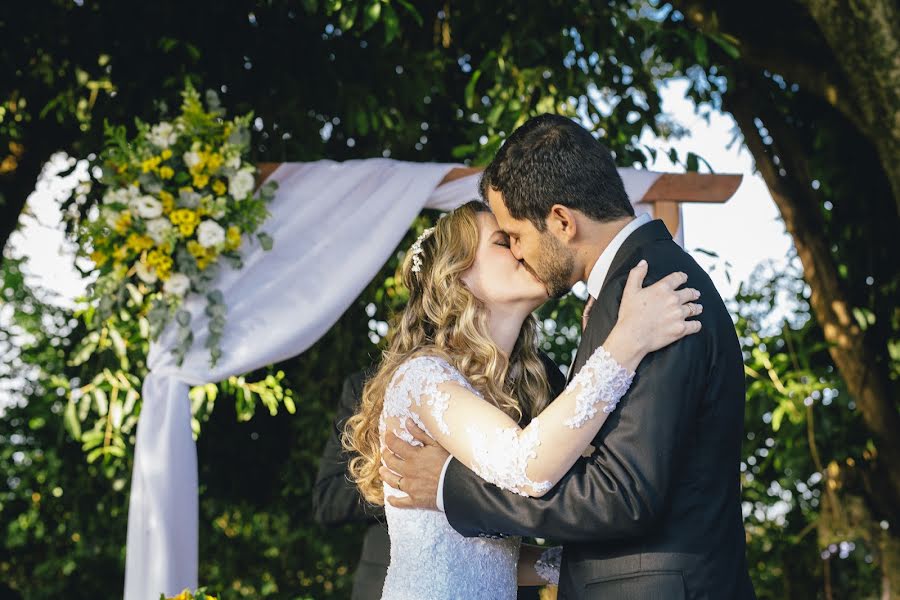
562, 223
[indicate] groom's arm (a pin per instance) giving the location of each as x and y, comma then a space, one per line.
621, 489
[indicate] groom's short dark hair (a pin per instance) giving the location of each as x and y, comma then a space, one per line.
554, 160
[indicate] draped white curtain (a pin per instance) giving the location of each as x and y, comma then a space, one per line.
334, 226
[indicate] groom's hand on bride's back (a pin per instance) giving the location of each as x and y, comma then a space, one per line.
414, 470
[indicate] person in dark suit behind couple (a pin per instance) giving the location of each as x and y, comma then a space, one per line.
336, 500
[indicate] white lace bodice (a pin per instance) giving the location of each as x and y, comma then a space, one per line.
429, 559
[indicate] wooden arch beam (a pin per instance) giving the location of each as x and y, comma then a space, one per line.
666, 193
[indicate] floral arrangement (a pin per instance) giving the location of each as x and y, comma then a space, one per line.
186, 594
176, 201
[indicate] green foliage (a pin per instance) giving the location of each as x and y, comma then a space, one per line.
799, 419
341, 80
259, 505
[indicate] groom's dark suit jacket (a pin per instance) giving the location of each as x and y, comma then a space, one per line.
655, 511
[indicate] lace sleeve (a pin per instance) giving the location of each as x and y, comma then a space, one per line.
439, 400
601, 381
414, 390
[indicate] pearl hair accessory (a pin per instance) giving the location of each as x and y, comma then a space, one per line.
416, 249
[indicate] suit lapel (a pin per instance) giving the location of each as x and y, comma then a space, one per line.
650, 232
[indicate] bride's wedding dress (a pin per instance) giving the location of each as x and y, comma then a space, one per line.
429, 559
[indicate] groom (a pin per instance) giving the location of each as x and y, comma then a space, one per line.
654, 510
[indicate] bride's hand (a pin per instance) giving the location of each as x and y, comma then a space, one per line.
653, 317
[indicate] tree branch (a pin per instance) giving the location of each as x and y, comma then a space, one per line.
849, 347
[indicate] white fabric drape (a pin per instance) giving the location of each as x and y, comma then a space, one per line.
334, 226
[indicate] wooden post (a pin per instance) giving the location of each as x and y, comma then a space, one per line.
668, 212
671, 189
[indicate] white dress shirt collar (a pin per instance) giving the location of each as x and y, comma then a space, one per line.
601, 267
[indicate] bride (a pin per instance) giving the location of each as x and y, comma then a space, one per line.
463, 366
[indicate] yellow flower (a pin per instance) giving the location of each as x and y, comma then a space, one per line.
213, 162
99, 258
233, 237
151, 164
154, 258
168, 201
123, 222
200, 180
166, 154
161, 262
166, 172
183, 216
139, 243
121, 168
196, 249
120, 253
219, 187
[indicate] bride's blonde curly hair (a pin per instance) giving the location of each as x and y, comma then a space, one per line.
443, 318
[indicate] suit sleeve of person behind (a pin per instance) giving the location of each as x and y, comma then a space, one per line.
336, 499
620, 490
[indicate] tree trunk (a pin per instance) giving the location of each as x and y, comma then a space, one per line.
865, 38
867, 378
855, 359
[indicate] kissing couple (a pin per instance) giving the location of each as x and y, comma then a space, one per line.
471, 442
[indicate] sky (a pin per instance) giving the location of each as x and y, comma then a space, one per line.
744, 231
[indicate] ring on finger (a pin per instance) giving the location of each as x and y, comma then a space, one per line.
399, 481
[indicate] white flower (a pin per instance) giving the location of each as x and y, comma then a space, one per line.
162, 135
218, 207
130, 192
191, 159
158, 229
111, 217
233, 161
123, 195
145, 273
241, 184
177, 283
111, 196
210, 234
148, 207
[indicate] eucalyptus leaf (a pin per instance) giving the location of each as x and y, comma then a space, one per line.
265, 241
